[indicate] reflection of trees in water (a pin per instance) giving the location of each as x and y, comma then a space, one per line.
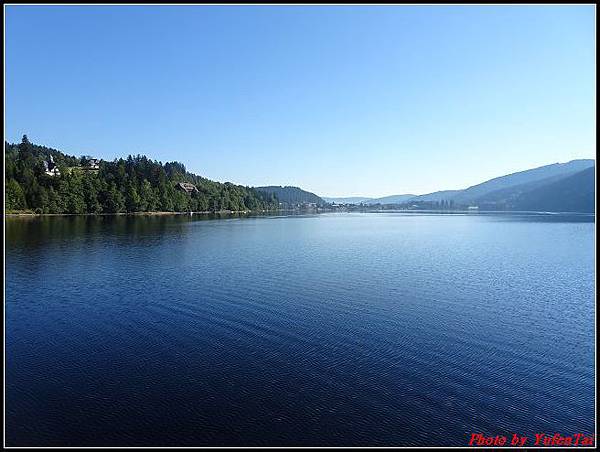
40, 231
43, 231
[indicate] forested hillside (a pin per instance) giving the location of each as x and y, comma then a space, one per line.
541, 174
559, 187
575, 193
135, 184
292, 195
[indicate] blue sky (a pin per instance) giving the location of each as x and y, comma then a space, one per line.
338, 100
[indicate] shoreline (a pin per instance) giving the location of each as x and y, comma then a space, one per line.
279, 211
154, 213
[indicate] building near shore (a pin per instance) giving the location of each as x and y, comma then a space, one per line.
50, 167
186, 187
93, 163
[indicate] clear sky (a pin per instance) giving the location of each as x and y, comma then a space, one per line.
338, 100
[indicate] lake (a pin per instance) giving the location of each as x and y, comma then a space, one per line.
329, 329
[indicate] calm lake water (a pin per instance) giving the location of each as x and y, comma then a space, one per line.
331, 329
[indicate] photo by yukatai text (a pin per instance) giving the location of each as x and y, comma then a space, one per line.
539, 439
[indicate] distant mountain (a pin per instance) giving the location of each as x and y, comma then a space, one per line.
442, 195
573, 193
556, 171
392, 199
395, 199
348, 200
559, 187
292, 195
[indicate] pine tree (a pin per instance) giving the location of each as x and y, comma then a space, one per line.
132, 198
15, 198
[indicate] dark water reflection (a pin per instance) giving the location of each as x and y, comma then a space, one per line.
336, 329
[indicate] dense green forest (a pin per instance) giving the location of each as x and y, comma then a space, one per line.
291, 196
135, 184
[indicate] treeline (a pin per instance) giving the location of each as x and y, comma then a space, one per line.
292, 195
135, 184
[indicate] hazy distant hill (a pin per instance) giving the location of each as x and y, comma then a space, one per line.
442, 195
292, 195
559, 187
556, 170
348, 200
574, 193
392, 199
396, 199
